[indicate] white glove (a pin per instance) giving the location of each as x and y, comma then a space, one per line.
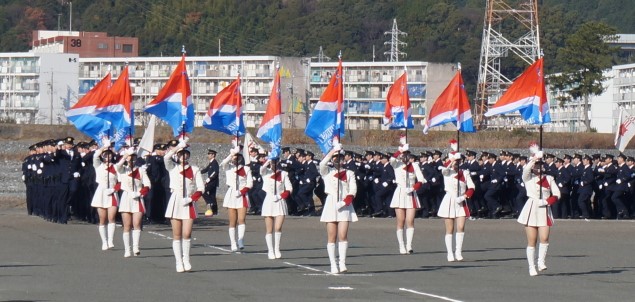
136, 195
340, 204
238, 194
234, 150
481, 177
384, 184
187, 201
560, 185
582, 184
522, 184
409, 190
606, 184
76, 174
278, 198
207, 180
129, 151
308, 180
301, 182
109, 191
184, 139
601, 170
367, 166
618, 181
542, 202
460, 199
376, 180
181, 145
39, 171
457, 155
105, 142
23, 178
337, 146
600, 186
473, 173
494, 181
538, 155
405, 147
440, 168
433, 179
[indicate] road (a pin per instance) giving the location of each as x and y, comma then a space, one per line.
588, 261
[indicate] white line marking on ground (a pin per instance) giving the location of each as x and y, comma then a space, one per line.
306, 267
429, 295
341, 287
160, 235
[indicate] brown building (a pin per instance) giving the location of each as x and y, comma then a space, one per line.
85, 44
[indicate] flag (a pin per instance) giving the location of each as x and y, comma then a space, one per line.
398, 114
327, 120
625, 130
225, 111
451, 106
270, 130
82, 114
115, 107
248, 144
174, 104
296, 106
527, 95
147, 141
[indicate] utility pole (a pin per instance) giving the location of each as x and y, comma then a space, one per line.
521, 38
395, 43
51, 92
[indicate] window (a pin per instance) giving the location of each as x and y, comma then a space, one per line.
102, 46
127, 48
117, 46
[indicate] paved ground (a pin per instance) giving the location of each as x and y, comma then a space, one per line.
588, 261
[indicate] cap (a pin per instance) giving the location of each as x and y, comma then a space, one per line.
210, 151
587, 157
254, 150
136, 141
425, 154
156, 147
622, 156
609, 156
470, 153
504, 153
69, 140
484, 154
298, 150
577, 155
309, 153
182, 151
549, 155
385, 156
560, 160
522, 157
596, 156
437, 152
368, 152
567, 156
349, 153
173, 143
491, 155
630, 158
285, 149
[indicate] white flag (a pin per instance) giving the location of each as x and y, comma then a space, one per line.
625, 130
147, 141
250, 143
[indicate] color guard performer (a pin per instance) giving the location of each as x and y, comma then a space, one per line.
105, 199
458, 188
186, 185
277, 187
135, 184
542, 192
405, 201
337, 211
239, 181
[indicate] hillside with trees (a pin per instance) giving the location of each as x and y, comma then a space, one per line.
438, 30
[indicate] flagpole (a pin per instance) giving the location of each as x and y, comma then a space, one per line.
183, 160
131, 163
458, 179
540, 168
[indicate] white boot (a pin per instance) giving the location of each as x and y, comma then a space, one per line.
241, 236
542, 254
136, 235
104, 239
410, 233
342, 248
531, 256
448, 247
269, 240
176, 248
459, 246
111, 235
276, 244
402, 247
187, 266
126, 244
232, 239
330, 248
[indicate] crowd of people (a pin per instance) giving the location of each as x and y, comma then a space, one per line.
94, 184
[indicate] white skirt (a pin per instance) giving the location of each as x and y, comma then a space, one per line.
127, 204
534, 215
402, 200
233, 202
176, 209
330, 213
102, 200
450, 209
272, 208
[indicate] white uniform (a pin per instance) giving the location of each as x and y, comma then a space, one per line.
106, 178
406, 176
132, 181
177, 208
236, 184
449, 207
330, 212
533, 214
272, 206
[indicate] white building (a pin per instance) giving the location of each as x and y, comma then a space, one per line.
37, 88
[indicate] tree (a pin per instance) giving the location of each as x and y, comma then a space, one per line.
583, 60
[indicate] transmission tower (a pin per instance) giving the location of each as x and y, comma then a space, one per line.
508, 30
394, 43
321, 57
